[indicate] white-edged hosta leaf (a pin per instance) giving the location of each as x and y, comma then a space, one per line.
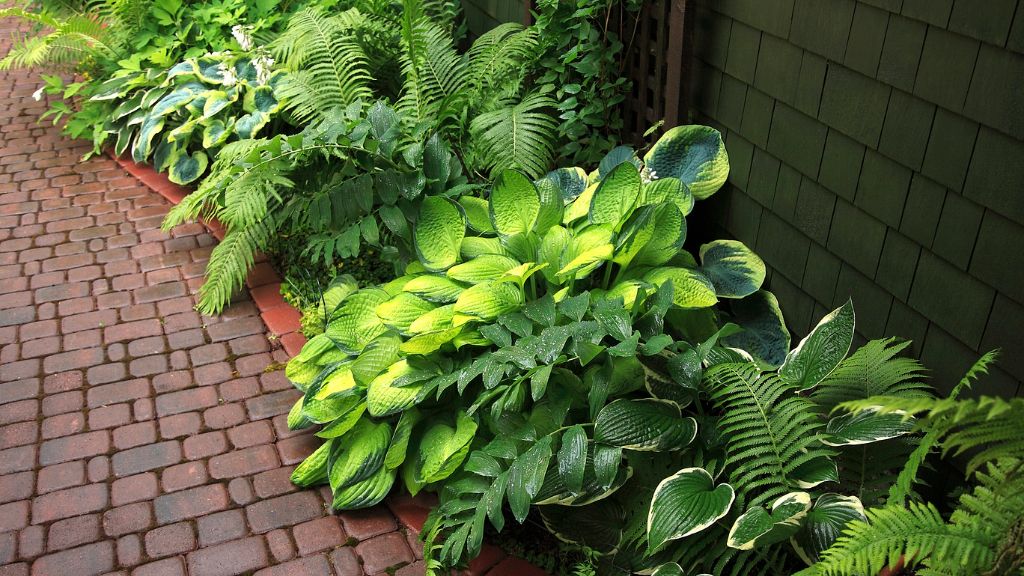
646, 425
686, 503
690, 288
514, 204
443, 448
482, 268
823, 524
866, 427
734, 269
438, 233
822, 350
616, 196
764, 335
597, 526
760, 527
400, 311
695, 155
815, 472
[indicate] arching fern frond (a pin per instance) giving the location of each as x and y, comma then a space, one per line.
69, 39
229, 264
875, 369
435, 73
517, 135
497, 57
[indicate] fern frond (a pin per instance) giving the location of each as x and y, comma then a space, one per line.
229, 264
519, 136
875, 369
68, 40
500, 54
435, 74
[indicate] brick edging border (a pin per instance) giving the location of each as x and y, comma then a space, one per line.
283, 320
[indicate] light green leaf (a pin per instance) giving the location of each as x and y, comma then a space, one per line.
359, 455
514, 204
352, 412
443, 448
760, 527
822, 350
365, 494
734, 269
477, 213
437, 319
439, 232
684, 504
356, 323
488, 300
823, 524
482, 268
313, 469
695, 155
384, 398
690, 288
399, 446
667, 190
429, 342
645, 425
402, 310
616, 196
865, 427
375, 357
473, 246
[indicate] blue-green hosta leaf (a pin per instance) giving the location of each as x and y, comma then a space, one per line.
694, 154
733, 268
365, 494
437, 289
646, 425
684, 504
764, 335
399, 446
568, 182
823, 524
598, 526
616, 196
359, 455
760, 527
211, 70
477, 213
690, 288
822, 350
667, 190
355, 323
248, 125
263, 100
615, 157
186, 68
172, 102
245, 70
439, 232
400, 311
526, 476
215, 133
143, 147
514, 204
384, 398
488, 300
185, 169
866, 427
473, 246
572, 458
815, 472
216, 100
443, 448
482, 268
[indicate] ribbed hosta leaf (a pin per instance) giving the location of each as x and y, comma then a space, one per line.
760, 527
733, 268
365, 494
477, 213
572, 458
359, 455
438, 233
356, 322
437, 289
400, 440
684, 504
402, 310
822, 350
690, 288
515, 203
647, 425
823, 524
866, 427
482, 268
488, 300
615, 196
694, 154
384, 398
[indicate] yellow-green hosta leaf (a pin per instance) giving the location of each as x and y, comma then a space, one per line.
552, 200
627, 290
764, 334
646, 425
514, 204
667, 238
695, 155
667, 190
428, 342
402, 310
399, 446
438, 233
823, 524
301, 373
356, 323
553, 247
477, 213
352, 411
313, 469
761, 527
690, 289
822, 350
359, 454
375, 357
367, 493
397, 286
520, 273
488, 300
587, 250
185, 169
339, 380
616, 196
734, 269
684, 504
473, 246
482, 268
172, 102
580, 207
439, 318
384, 398
437, 289
296, 420
443, 448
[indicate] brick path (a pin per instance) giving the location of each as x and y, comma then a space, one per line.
136, 436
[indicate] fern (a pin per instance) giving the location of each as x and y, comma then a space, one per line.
519, 135
496, 57
69, 39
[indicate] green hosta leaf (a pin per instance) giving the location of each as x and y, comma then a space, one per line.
684, 504
695, 155
356, 322
365, 494
866, 427
815, 472
647, 425
572, 458
822, 350
477, 213
759, 527
690, 288
352, 410
616, 196
185, 169
443, 448
580, 207
598, 526
296, 419
488, 300
670, 569
823, 524
215, 133
248, 125
552, 204
473, 246
312, 470
526, 476
616, 157
586, 251
359, 455
437, 319
482, 268
429, 342
733, 268
514, 204
437, 289
552, 249
402, 310
384, 398
399, 446
764, 334
439, 232
666, 239
569, 182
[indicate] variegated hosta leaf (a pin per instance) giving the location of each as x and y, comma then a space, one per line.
375, 357
359, 455
477, 213
823, 524
487, 301
439, 232
568, 182
733, 268
647, 425
428, 342
313, 469
764, 335
399, 446
690, 288
217, 100
514, 204
365, 494
580, 207
596, 487
185, 169
262, 99
614, 158
866, 427
354, 407
402, 310
395, 390
439, 318
822, 350
356, 322
667, 190
143, 146
443, 449
684, 504
814, 472
760, 527
473, 246
248, 125
172, 102
667, 236
482, 268
215, 133
598, 526
694, 154
616, 196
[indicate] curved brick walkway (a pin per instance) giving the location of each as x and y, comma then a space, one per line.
136, 436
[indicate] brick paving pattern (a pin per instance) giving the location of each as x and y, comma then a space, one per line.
137, 436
